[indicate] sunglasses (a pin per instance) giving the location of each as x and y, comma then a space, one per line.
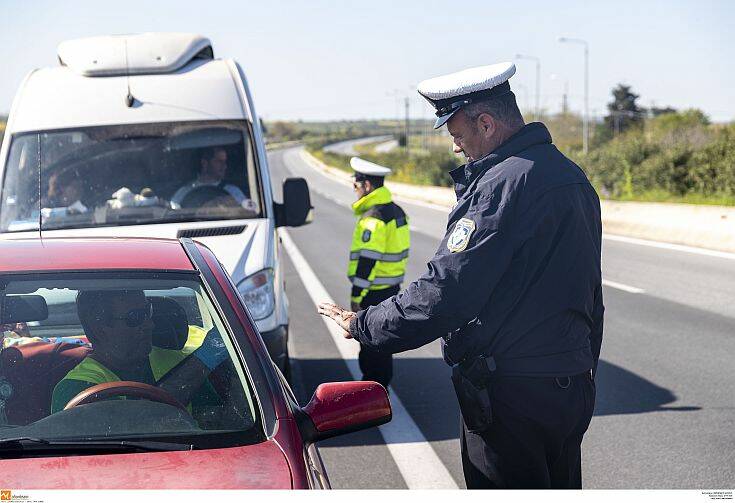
134, 317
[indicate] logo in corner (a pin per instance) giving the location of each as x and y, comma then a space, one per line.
460, 236
6, 495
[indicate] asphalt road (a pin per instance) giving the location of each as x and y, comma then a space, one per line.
665, 410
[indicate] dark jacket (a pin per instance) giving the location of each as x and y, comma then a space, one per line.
523, 282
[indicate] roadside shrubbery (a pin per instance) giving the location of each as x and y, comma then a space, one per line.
676, 157
421, 167
673, 157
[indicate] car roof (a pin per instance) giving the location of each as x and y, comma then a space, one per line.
92, 254
60, 98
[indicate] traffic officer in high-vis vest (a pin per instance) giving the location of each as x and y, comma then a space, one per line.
514, 290
378, 255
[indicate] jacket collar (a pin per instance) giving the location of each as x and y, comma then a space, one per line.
529, 135
381, 195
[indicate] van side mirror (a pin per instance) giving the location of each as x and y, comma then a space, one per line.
296, 209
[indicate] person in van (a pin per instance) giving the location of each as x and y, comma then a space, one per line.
64, 194
212, 172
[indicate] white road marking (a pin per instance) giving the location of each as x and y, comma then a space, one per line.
670, 246
419, 465
620, 286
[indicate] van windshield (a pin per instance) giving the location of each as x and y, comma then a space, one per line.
130, 175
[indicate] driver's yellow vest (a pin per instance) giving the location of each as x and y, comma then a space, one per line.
92, 371
161, 360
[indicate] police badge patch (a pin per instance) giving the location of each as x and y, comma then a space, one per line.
366, 235
460, 236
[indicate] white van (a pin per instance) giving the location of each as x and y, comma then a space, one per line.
150, 135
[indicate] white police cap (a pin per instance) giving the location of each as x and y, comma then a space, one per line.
368, 168
449, 93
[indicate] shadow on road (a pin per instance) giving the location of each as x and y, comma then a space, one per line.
424, 387
620, 391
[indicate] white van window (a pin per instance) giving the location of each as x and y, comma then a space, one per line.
130, 175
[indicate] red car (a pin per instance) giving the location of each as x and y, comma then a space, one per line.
134, 364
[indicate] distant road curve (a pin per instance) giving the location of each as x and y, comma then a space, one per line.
347, 147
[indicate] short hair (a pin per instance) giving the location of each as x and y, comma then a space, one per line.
92, 306
208, 153
502, 108
375, 181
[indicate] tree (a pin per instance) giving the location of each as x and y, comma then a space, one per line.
656, 111
624, 112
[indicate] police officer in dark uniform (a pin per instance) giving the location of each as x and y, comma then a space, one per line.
514, 290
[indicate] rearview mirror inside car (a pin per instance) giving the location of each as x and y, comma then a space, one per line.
296, 209
22, 308
343, 407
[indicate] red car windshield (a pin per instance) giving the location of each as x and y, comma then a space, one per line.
120, 356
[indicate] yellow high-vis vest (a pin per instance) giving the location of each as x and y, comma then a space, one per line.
380, 244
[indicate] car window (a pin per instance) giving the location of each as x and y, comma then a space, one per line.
130, 175
65, 334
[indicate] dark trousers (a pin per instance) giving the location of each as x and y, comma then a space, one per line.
377, 365
536, 436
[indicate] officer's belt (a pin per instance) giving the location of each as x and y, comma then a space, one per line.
383, 257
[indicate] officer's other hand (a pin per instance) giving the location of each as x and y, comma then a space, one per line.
354, 307
341, 317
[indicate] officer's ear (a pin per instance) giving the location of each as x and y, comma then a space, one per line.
487, 124
368, 186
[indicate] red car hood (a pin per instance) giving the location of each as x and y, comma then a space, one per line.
259, 466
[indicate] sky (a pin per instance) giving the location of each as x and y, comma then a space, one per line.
322, 60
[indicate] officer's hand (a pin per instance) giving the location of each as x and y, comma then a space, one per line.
341, 316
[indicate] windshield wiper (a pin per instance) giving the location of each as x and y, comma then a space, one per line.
17, 447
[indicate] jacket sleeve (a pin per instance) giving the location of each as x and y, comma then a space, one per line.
597, 326
364, 269
452, 292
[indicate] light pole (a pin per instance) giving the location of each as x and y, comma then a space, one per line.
585, 123
537, 112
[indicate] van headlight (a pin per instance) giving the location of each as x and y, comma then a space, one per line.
257, 292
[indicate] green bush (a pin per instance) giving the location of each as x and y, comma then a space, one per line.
675, 157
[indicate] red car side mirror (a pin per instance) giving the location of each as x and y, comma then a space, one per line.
343, 407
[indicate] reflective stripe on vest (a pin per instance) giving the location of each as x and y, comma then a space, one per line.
383, 257
378, 280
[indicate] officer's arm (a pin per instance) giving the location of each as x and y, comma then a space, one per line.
453, 291
597, 324
370, 243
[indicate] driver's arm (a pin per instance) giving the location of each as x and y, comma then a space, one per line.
65, 390
184, 380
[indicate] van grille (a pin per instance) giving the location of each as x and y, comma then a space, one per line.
210, 231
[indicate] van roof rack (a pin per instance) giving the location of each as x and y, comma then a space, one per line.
140, 54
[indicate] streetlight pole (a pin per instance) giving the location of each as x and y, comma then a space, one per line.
537, 112
585, 123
